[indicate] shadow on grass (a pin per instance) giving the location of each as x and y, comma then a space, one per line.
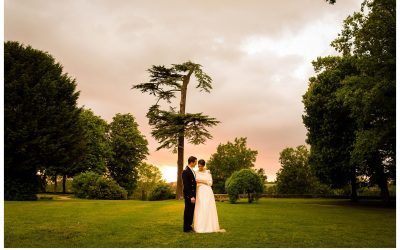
366, 203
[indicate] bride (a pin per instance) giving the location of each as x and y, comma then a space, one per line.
205, 211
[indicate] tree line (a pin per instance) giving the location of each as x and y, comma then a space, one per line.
48, 135
349, 115
350, 105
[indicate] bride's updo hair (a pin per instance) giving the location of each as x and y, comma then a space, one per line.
201, 162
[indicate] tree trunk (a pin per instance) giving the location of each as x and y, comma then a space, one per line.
181, 138
383, 185
354, 196
382, 179
64, 184
143, 195
55, 183
43, 183
179, 184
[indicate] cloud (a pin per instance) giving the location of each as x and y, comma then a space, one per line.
258, 53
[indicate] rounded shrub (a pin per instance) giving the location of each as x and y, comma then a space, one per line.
232, 188
244, 181
90, 185
162, 192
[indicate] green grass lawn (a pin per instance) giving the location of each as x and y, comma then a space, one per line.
267, 223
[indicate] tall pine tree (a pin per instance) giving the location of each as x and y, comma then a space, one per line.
170, 128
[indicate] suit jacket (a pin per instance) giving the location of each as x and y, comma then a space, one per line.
189, 183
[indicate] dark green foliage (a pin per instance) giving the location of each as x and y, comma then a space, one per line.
90, 185
364, 80
167, 125
83, 182
331, 128
244, 181
129, 148
295, 176
41, 119
369, 36
20, 188
230, 157
165, 82
97, 149
162, 191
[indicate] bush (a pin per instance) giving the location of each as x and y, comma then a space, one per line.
232, 188
162, 192
244, 181
20, 189
91, 185
322, 189
271, 189
344, 191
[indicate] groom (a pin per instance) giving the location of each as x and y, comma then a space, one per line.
189, 193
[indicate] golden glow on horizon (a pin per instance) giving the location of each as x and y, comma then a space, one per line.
168, 173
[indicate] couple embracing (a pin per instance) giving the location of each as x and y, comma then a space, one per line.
200, 208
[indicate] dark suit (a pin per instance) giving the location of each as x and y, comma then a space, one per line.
189, 191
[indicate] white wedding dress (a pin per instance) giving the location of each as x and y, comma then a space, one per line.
205, 211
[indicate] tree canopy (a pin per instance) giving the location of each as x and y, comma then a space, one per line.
230, 157
331, 128
295, 175
42, 129
129, 148
244, 181
366, 89
97, 149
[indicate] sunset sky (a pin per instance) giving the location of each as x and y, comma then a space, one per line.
258, 53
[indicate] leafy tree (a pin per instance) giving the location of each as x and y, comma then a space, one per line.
230, 157
41, 120
244, 181
295, 176
369, 39
129, 148
331, 128
97, 148
170, 128
261, 173
149, 176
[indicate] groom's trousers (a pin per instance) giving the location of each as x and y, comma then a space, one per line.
188, 215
